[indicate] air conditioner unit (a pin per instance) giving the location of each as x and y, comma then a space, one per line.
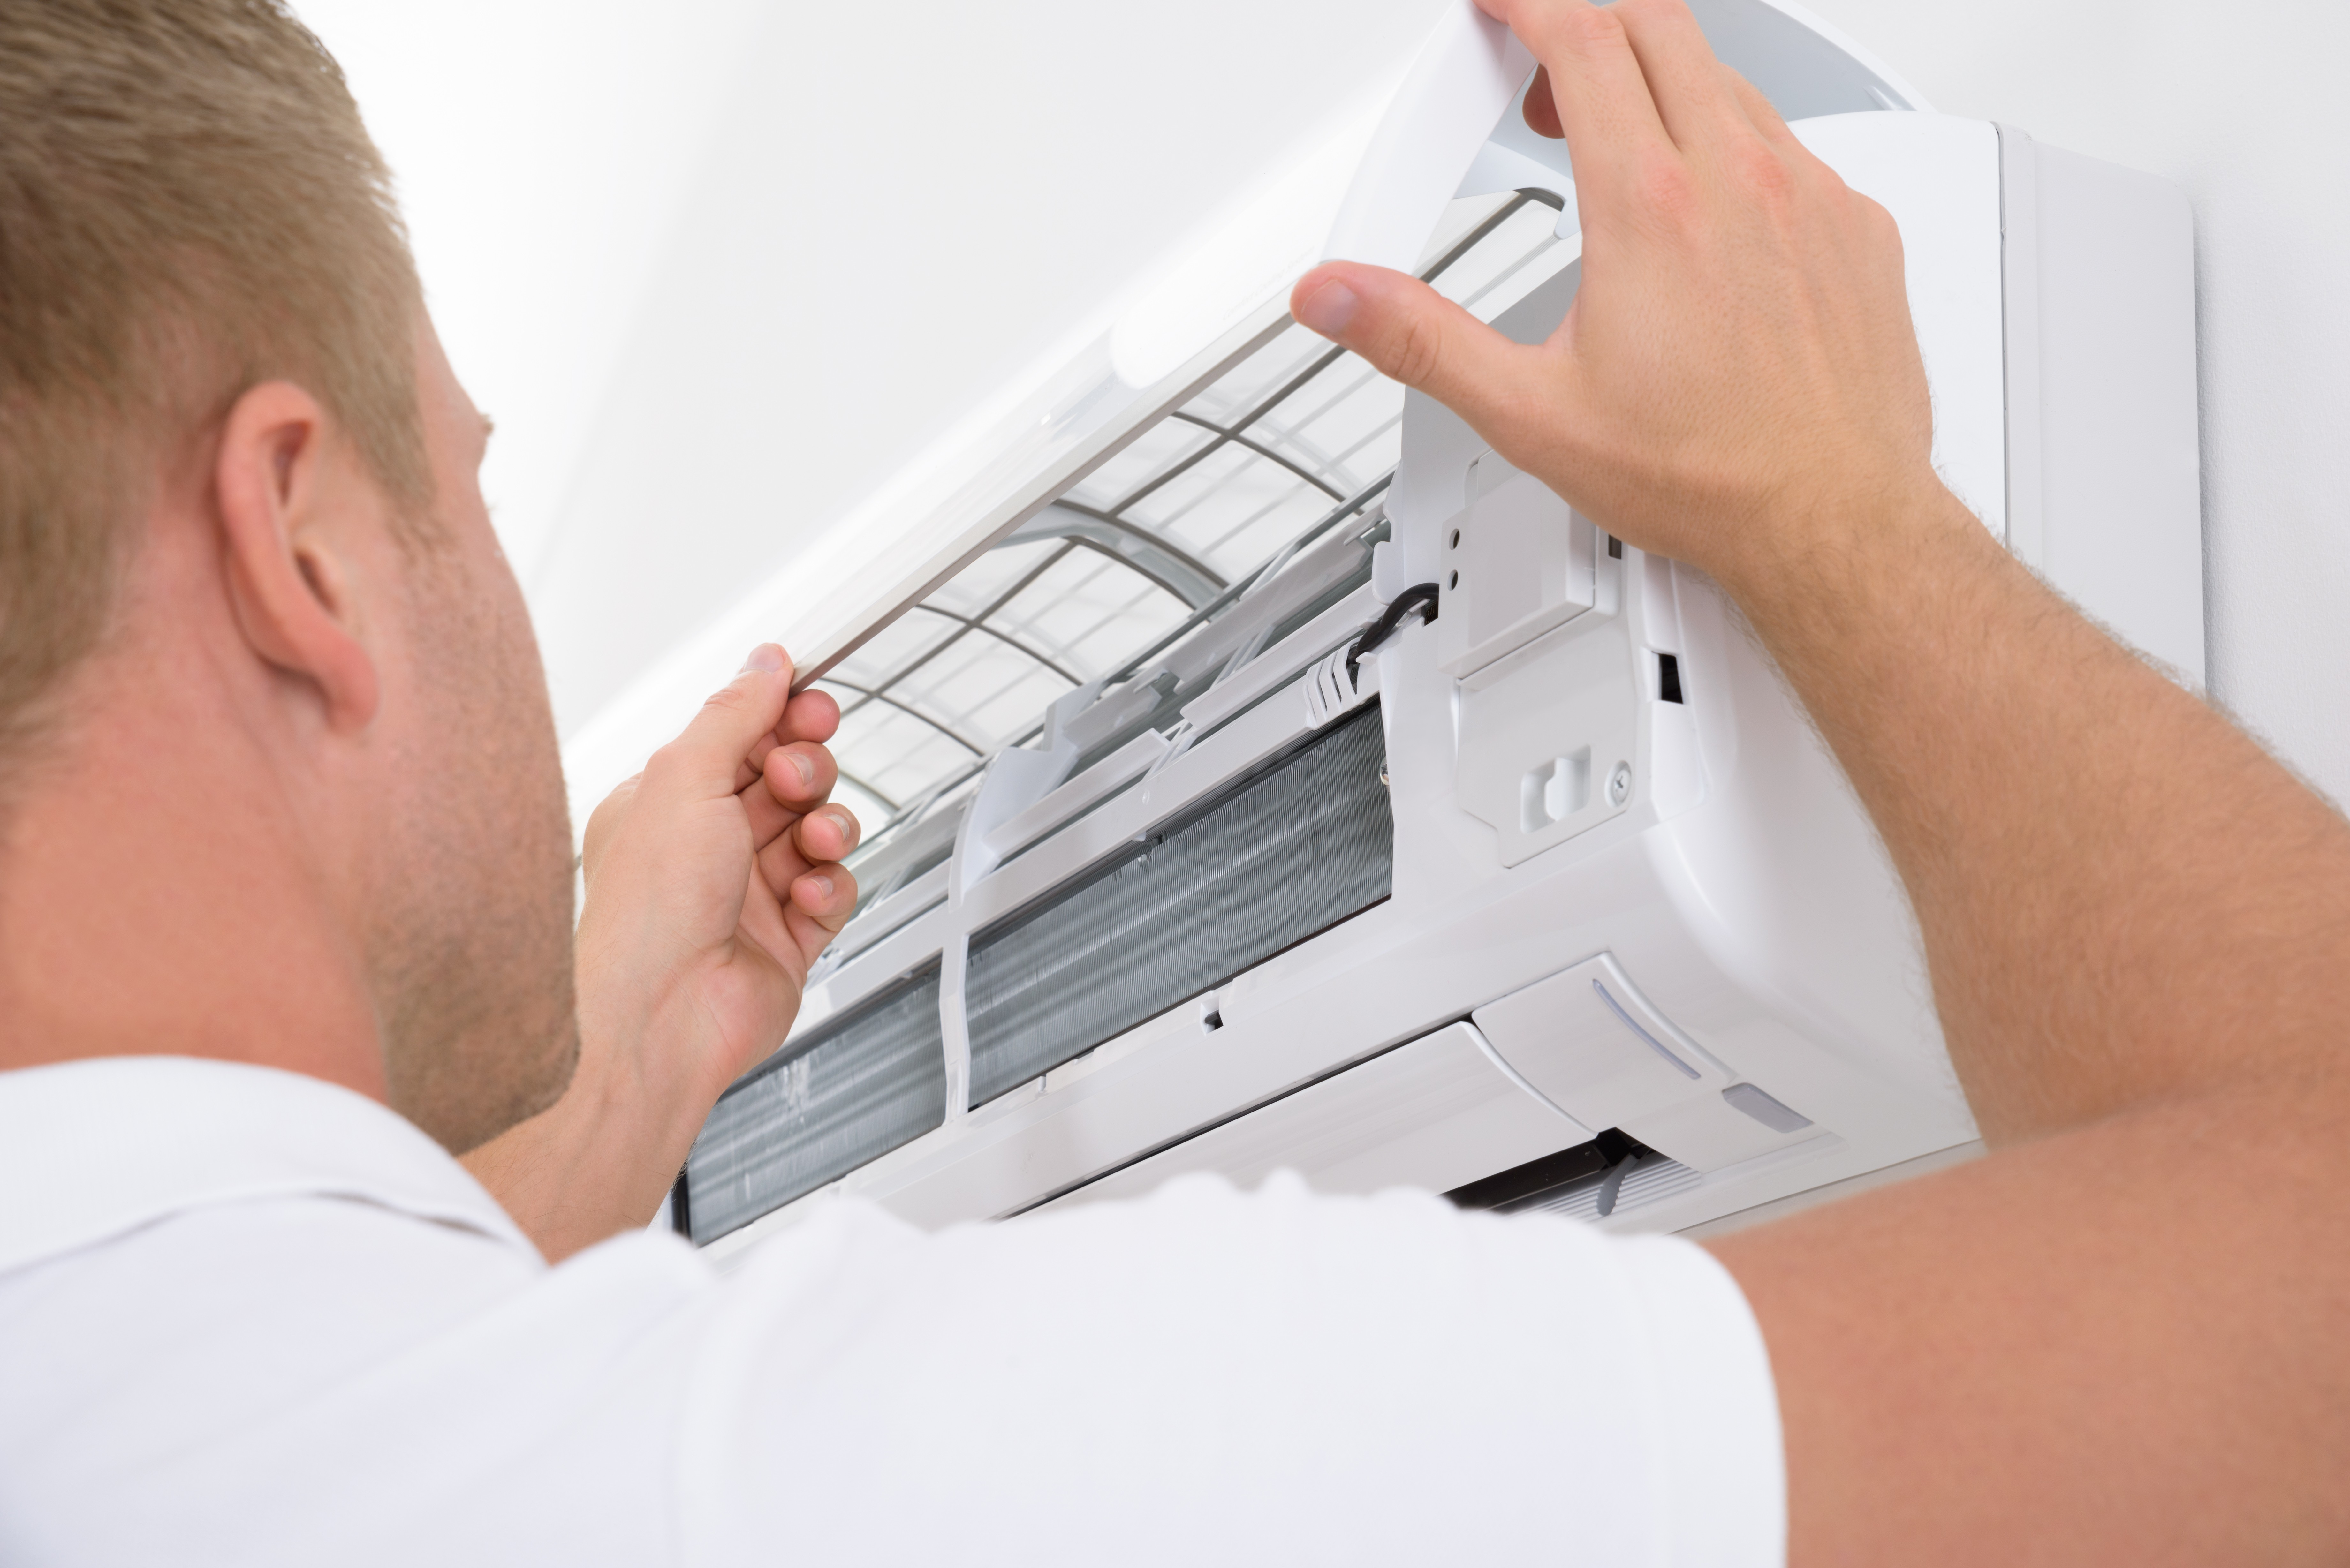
1551, 898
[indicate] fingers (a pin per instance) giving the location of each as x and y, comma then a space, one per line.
1413, 334
799, 920
1541, 111
1624, 86
827, 833
794, 781
1684, 79
823, 838
810, 716
816, 899
1761, 111
800, 774
819, 906
1600, 98
707, 759
825, 893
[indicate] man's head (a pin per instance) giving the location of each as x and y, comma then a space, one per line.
244, 562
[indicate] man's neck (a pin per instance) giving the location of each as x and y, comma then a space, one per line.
155, 898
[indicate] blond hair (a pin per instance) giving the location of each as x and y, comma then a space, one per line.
189, 205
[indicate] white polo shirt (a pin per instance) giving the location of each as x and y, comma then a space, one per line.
247, 1317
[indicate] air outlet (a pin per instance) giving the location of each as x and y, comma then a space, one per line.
856, 1088
1646, 1180
1297, 848
1609, 1175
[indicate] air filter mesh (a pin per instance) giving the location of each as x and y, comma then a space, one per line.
1302, 846
853, 1091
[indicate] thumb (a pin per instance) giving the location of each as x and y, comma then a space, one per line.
1414, 335
604, 821
704, 759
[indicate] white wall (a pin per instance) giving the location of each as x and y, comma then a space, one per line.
2240, 105
542, 148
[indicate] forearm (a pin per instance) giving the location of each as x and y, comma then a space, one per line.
2135, 922
601, 1159
2123, 899
550, 1173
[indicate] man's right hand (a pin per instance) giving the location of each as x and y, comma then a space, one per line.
2119, 1337
1738, 374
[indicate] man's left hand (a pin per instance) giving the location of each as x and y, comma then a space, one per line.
713, 880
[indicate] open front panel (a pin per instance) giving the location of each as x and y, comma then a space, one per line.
1166, 534
1299, 847
1160, 576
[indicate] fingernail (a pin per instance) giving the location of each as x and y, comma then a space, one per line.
1328, 309
767, 657
823, 885
802, 766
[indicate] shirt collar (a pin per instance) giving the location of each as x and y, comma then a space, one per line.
90, 1150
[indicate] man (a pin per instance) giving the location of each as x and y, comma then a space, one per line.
284, 884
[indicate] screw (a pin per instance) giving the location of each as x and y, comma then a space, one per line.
1619, 785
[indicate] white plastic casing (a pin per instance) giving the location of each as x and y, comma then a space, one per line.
1620, 900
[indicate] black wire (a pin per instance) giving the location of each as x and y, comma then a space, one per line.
1421, 597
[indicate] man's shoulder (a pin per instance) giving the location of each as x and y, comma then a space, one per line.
96, 1149
266, 1309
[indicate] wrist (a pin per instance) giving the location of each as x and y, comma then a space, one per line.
1825, 562
642, 1072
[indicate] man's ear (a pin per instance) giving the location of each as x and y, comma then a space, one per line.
292, 511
